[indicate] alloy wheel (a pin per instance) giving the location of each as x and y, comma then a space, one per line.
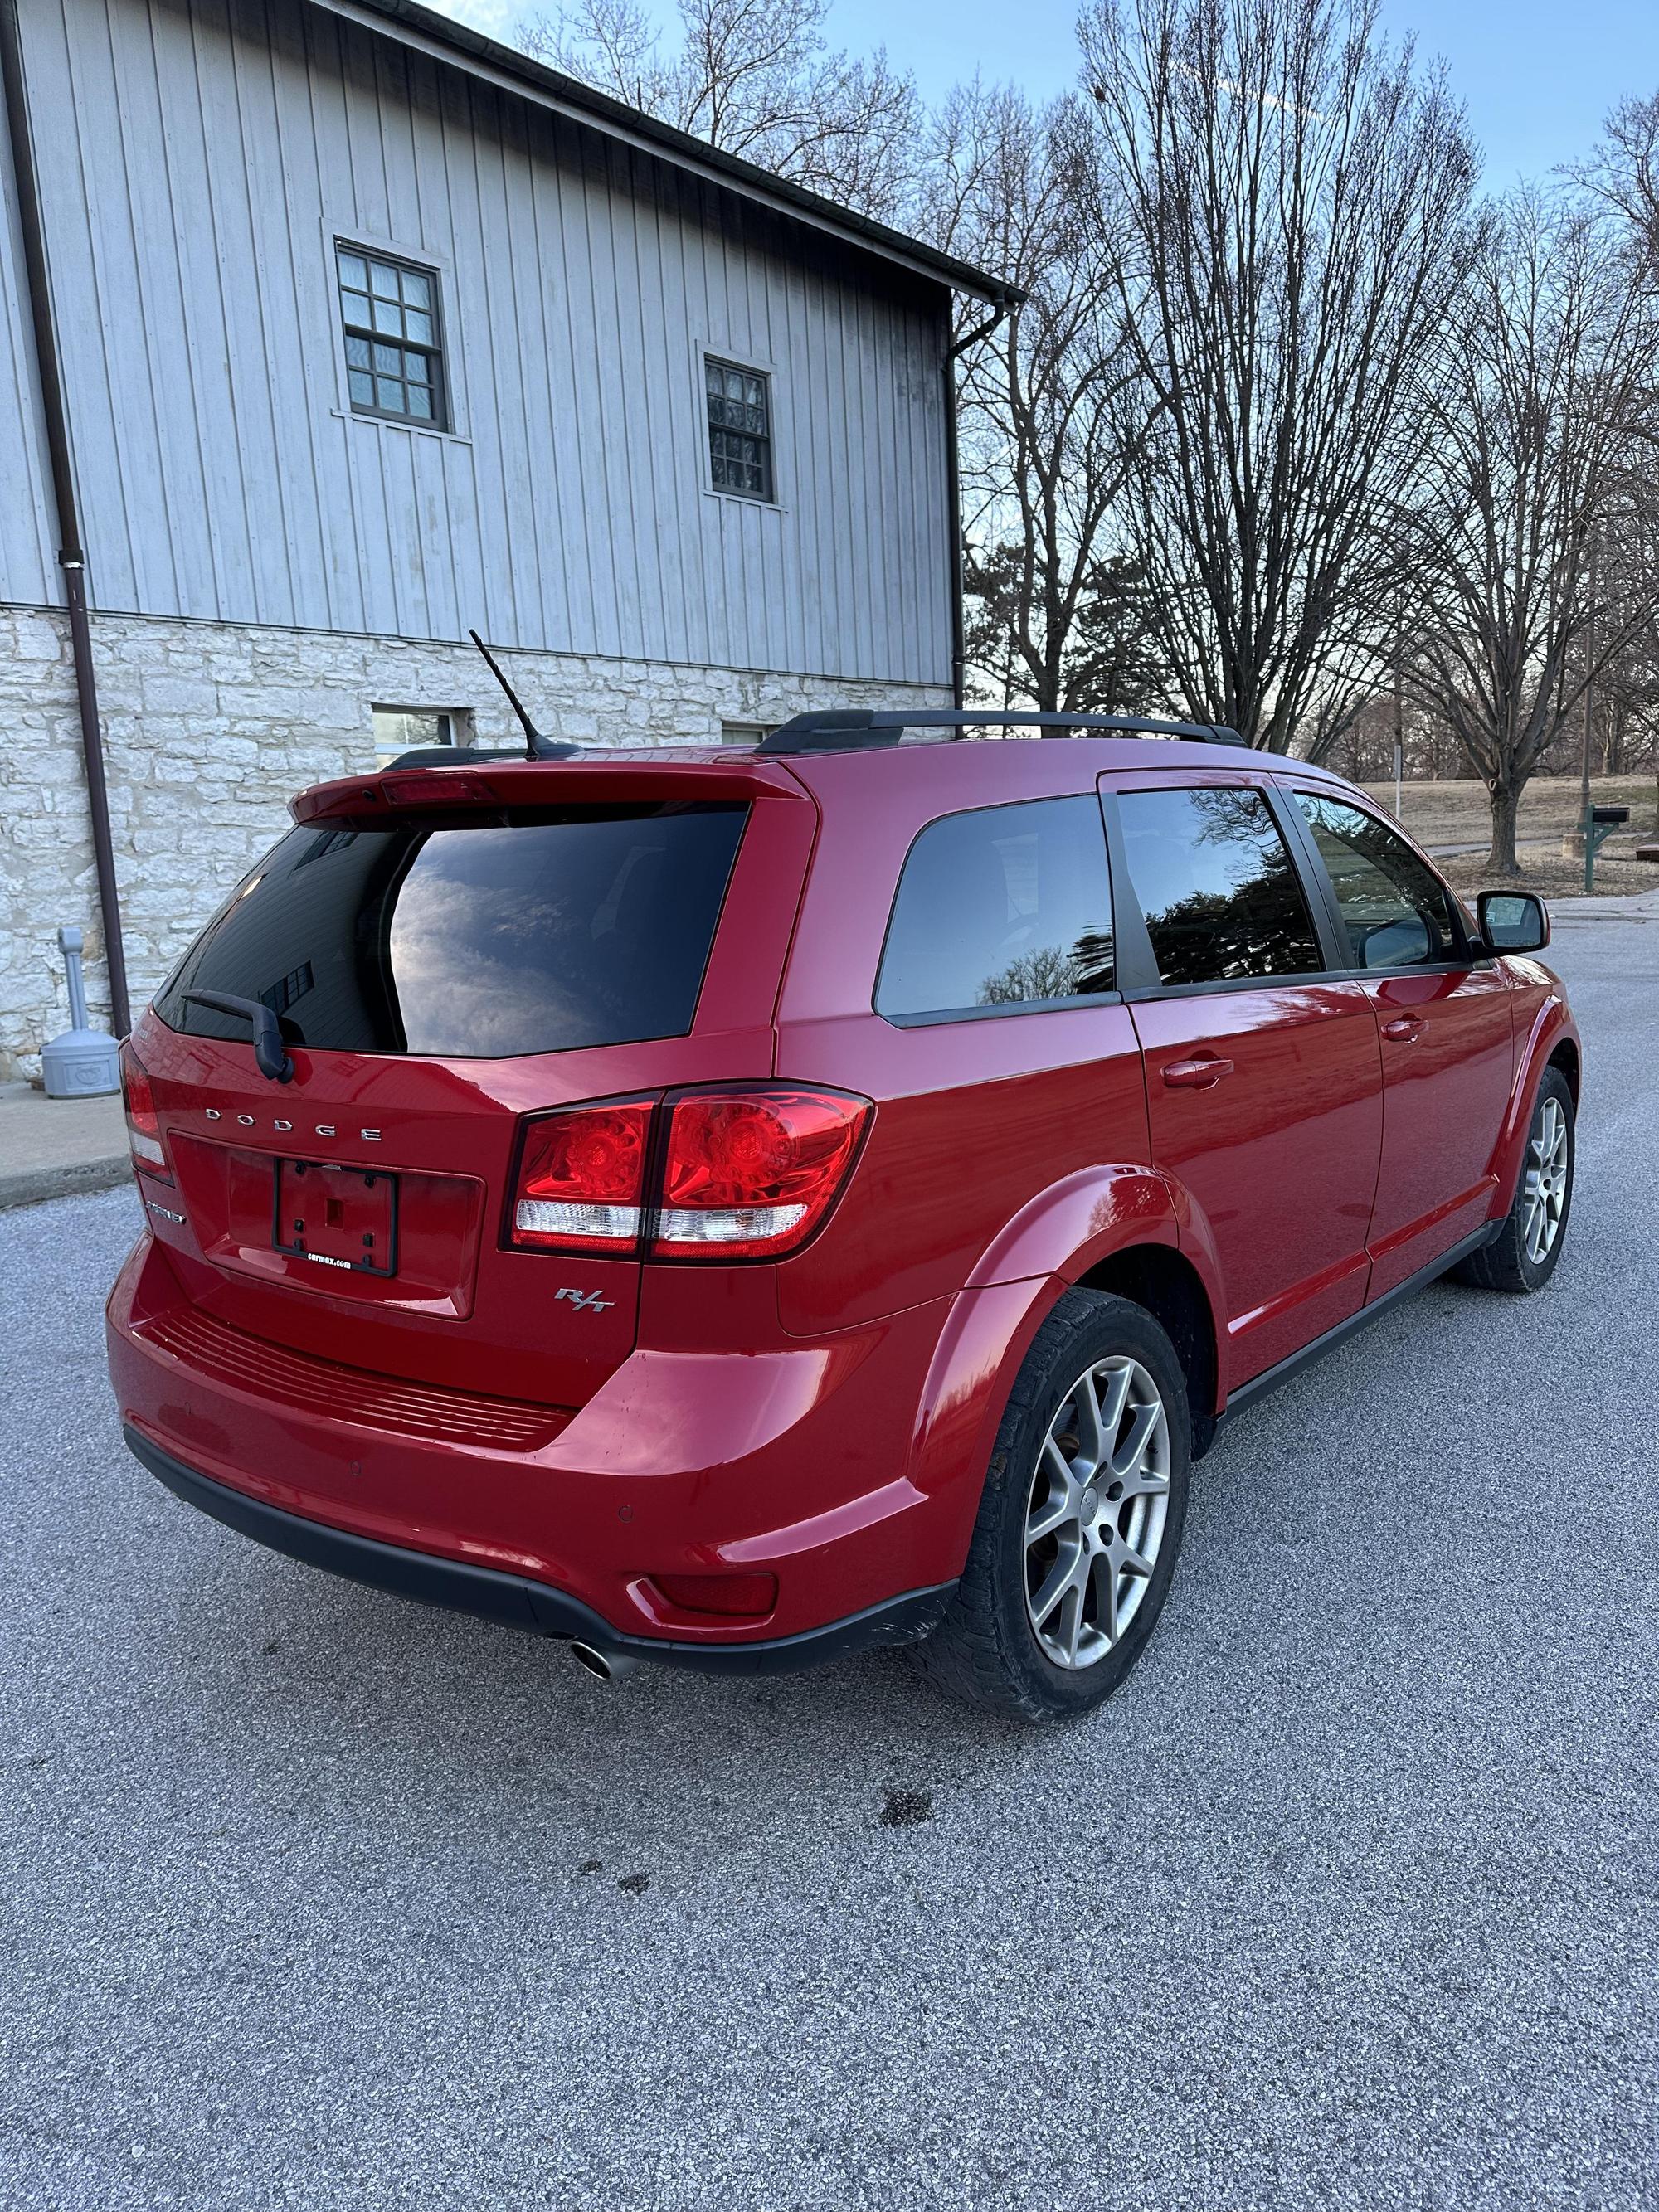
1545, 1186
1096, 1511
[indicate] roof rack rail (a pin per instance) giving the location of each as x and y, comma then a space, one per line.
859, 729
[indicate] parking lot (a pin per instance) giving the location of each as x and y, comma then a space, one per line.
314, 1899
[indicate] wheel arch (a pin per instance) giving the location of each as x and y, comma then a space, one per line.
1551, 1042
1165, 1282
1564, 1054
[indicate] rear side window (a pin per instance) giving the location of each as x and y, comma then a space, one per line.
1395, 912
1221, 896
472, 938
1004, 908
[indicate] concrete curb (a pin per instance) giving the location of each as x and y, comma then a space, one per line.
73, 1180
1627, 906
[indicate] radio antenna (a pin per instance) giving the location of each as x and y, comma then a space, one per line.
537, 747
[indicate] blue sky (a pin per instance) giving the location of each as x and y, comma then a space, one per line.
1537, 76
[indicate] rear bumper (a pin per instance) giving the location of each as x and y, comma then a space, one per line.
512, 1602
801, 1462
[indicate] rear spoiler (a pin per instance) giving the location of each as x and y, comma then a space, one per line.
489, 779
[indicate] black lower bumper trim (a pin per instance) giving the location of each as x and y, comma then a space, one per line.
514, 1600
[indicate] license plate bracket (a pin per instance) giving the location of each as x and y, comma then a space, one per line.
343, 1219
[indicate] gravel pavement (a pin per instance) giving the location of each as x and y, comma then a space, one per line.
310, 1898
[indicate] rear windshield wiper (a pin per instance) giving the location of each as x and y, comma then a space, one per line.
267, 1036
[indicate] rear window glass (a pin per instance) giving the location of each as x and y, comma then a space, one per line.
472, 938
1221, 893
1003, 907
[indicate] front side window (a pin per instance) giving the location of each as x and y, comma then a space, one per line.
739, 429
1219, 891
394, 354
1007, 907
1395, 912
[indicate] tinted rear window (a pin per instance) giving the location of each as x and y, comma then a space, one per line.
469, 937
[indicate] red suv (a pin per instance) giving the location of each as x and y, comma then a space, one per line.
737, 1207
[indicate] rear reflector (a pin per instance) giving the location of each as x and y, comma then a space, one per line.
751, 1174
144, 1123
581, 1184
724, 1595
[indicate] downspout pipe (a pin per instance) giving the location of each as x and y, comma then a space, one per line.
70, 556
952, 489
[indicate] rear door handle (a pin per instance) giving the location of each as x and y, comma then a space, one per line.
1403, 1027
1196, 1074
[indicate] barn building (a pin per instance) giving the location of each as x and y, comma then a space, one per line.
330, 330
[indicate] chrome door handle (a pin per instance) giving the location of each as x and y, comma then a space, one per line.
1403, 1028
1196, 1074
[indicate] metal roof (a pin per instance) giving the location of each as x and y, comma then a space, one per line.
447, 40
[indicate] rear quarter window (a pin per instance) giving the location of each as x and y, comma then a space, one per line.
998, 909
470, 937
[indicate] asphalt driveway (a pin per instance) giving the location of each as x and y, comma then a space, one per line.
310, 1898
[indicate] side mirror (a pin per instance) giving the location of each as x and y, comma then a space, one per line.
1513, 922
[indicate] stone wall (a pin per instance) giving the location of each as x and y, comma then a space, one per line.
209, 729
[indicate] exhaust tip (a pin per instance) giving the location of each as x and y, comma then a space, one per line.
602, 1666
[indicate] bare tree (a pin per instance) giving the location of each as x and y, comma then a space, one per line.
1049, 437
755, 78
1544, 443
1292, 199
1624, 170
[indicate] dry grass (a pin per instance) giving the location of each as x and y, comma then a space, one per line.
1439, 815
1544, 870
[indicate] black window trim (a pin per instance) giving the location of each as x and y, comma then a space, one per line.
1333, 929
442, 424
1139, 975
1080, 1002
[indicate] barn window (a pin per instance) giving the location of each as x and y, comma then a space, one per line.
393, 345
739, 429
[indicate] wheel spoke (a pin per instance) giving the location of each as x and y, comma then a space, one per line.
1143, 1426
1071, 1614
1136, 1563
1060, 1578
1106, 1598
1090, 1427
1046, 1518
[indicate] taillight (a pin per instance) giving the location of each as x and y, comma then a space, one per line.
751, 1174
144, 1123
581, 1178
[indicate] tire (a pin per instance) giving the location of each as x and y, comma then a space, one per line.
990, 1651
1513, 1260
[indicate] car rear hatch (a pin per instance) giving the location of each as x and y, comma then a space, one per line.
447, 952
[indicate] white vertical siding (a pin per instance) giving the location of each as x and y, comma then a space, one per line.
197, 158
27, 547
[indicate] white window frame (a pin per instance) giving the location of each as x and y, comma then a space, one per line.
352, 237
705, 350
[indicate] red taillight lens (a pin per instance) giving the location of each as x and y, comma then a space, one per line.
581, 1179
438, 787
751, 1174
144, 1123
